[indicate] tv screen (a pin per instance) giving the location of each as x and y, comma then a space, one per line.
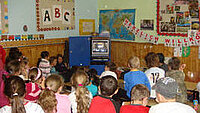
100, 47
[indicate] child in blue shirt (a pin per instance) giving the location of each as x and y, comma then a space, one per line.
135, 76
92, 86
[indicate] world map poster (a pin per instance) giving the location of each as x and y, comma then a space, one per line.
112, 20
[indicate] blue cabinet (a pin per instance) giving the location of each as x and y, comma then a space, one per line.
79, 51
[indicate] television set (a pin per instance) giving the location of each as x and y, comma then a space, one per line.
100, 48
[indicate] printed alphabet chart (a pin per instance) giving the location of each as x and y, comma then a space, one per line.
55, 15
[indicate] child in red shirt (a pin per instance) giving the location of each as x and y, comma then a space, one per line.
104, 103
139, 100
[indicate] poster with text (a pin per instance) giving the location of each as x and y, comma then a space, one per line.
111, 21
55, 15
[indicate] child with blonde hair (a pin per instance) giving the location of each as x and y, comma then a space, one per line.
139, 99
33, 87
47, 101
81, 97
135, 76
55, 83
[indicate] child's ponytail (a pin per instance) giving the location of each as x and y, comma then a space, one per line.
17, 104
79, 81
82, 99
15, 89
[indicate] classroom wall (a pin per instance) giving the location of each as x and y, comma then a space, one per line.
145, 9
121, 51
23, 12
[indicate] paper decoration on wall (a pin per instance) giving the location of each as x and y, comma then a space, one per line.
193, 39
111, 20
130, 27
55, 15
86, 26
3, 16
4, 38
147, 25
185, 51
174, 17
177, 51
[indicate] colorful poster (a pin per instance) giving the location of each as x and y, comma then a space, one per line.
176, 17
185, 51
55, 15
111, 20
3, 17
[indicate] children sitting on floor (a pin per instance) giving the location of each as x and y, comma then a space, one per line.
139, 100
104, 103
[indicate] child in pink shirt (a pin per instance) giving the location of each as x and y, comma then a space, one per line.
55, 83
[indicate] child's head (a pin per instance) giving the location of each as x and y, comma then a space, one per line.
161, 57
174, 63
59, 58
110, 66
53, 60
140, 93
45, 54
24, 62
15, 90
134, 62
152, 60
48, 101
35, 74
79, 80
54, 82
108, 85
92, 76
13, 67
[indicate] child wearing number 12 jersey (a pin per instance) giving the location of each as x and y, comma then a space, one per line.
154, 72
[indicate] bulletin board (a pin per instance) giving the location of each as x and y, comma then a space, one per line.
111, 20
3, 17
176, 17
55, 15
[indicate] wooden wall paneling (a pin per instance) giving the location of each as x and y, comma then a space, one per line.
32, 49
121, 51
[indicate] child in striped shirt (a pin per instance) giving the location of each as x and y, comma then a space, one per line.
43, 64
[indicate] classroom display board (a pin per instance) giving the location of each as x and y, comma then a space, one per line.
111, 20
3, 16
55, 15
176, 17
